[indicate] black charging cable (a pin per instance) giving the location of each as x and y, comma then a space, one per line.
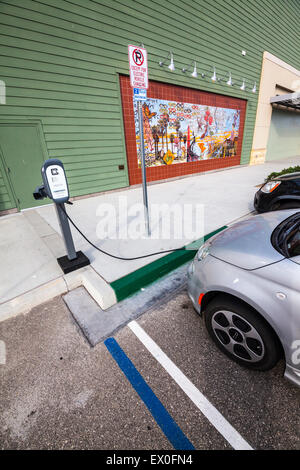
114, 256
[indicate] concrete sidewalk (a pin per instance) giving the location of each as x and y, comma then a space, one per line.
30, 241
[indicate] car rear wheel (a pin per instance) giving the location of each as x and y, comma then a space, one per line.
241, 334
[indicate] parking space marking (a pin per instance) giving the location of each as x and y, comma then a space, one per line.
165, 421
203, 404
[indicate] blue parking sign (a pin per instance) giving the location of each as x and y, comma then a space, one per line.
139, 94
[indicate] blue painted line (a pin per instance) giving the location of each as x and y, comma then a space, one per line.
165, 421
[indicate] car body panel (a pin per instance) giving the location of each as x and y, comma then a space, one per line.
247, 243
272, 290
296, 259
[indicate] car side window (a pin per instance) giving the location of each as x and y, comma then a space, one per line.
286, 236
294, 244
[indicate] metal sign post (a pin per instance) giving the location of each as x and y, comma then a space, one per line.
139, 81
143, 163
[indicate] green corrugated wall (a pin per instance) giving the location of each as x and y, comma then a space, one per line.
5, 199
60, 60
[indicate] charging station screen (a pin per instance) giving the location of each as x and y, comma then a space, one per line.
57, 182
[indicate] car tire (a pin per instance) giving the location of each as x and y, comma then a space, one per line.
242, 334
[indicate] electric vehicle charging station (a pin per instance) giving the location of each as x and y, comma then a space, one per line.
55, 186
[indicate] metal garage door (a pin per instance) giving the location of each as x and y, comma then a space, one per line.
284, 136
22, 153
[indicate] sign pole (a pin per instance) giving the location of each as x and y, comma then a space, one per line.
143, 164
138, 67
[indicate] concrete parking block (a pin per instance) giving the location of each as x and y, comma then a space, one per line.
99, 289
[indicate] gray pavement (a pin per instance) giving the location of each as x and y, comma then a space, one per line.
59, 393
26, 261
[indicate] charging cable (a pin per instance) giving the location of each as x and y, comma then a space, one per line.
114, 256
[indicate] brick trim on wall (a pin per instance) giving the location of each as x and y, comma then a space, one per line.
175, 93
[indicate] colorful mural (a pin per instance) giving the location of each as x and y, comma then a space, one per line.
183, 132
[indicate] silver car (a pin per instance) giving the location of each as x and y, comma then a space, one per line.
246, 282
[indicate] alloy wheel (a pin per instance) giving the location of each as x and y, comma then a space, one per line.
238, 336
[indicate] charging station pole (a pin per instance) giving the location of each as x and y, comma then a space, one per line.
66, 231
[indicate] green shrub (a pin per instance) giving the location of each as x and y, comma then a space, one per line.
291, 169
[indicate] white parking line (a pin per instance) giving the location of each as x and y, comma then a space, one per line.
211, 413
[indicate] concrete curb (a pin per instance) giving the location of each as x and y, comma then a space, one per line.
25, 302
132, 282
106, 295
99, 289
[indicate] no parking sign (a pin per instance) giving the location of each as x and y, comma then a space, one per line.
138, 67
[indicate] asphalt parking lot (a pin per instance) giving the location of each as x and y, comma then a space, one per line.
57, 392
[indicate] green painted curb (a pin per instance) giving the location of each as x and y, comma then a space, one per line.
131, 283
